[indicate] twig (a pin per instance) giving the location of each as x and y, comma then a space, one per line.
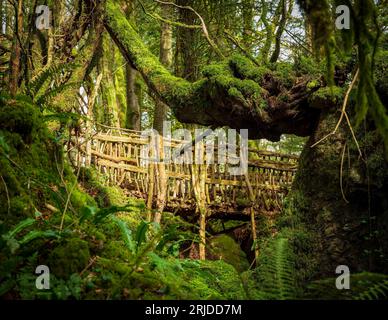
341, 173
68, 198
203, 24
241, 47
343, 111
170, 22
92, 261
6, 192
354, 136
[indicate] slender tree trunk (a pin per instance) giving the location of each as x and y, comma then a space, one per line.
269, 31
247, 15
198, 180
160, 113
133, 111
133, 119
15, 63
279, 32
162, 179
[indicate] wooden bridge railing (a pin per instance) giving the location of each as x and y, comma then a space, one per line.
117, 154
208, 188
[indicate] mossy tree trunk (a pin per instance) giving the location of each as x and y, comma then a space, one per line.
165, 56
15, 63
341, 200
133, 118
133, 112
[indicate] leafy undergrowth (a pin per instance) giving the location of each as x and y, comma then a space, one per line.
90, 235
97, 245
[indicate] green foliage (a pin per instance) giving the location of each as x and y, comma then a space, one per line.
363, 286
375, 291
126, 235
276, 270
193, 279
225, 248
274, 278
364, 34
47, 85
14, 244
70, 257
97, 215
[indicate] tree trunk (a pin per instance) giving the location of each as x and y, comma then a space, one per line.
279, 32
15, 62
247, 15
162, 179
160, 113
133, 112
133, 119
344, 226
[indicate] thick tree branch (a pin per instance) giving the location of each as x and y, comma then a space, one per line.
234, 93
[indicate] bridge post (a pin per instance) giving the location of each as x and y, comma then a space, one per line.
252, 212
198, 180
88, 159
161, 178
151, 186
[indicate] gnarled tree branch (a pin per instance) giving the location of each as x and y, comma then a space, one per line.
234, 93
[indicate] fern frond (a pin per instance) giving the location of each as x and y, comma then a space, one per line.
376, 291
363, 286
48, 74
45, 98
276, 271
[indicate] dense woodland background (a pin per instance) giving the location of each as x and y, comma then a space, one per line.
279, 68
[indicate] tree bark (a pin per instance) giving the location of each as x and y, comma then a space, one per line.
15, 63
165, 56
133, 118
279, 32
247, 15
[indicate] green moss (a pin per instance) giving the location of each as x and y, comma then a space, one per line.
79, 199
307, 65
244, 68
70, 257
334, 93
21, 117
326, 97
285, 73
313, 84
171, 88
193, 279
225, 248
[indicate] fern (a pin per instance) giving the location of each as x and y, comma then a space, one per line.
45, 98
376, 291
363, 286
126, 234
48, 74
49, 84
276, 271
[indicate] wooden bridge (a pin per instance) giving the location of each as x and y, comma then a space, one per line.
207, 189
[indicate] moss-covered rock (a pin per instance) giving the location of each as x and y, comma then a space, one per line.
223, 247
68, 258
